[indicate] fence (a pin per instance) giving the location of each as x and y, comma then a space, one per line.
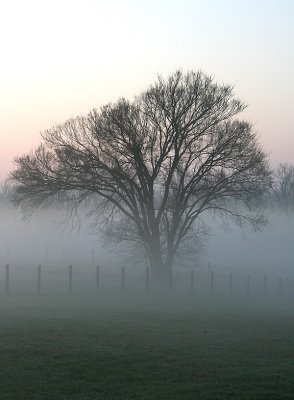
85, 279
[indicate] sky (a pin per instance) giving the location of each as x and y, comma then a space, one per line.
61, 58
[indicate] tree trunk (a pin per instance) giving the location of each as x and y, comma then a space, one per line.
160, 268
161, 273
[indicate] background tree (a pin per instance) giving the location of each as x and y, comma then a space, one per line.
153, 166
6, 193
283, 188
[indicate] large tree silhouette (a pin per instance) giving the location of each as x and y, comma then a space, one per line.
154, 165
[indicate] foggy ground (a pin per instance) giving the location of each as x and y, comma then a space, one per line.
217, 341
45, 239
145, 347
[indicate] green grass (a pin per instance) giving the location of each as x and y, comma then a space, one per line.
124, 347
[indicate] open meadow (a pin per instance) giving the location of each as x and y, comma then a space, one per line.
146, 200
147, 346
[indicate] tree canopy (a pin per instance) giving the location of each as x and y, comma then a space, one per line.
152, 166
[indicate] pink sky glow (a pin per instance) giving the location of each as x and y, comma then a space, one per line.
59, 59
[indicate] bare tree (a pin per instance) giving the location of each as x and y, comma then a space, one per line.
283, 188
153, 166
6, 193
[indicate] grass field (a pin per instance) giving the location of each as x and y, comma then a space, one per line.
145, 347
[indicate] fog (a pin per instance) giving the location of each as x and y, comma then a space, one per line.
231, 253
269, 250
47, 236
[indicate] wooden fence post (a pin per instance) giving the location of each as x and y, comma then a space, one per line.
70, 278
192, 281
123, 279
211, 281
39, 278
248, 285
97, 278
7, 279
147, 279
170, 281
288, 285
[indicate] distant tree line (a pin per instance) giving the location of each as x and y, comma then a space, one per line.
282, 190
